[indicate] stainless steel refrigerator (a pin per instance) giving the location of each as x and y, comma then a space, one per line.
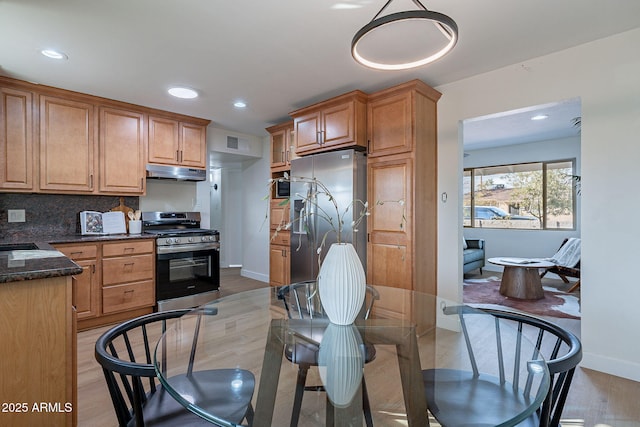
345, 174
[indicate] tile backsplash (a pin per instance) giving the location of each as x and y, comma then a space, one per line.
51, 214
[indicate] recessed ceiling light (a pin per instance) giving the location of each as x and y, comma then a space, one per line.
183, 92
540, 117
240, 104
54, 54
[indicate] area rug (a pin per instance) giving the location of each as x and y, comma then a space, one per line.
486, 292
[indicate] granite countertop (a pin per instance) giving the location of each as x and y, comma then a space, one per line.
45, 261
40, 263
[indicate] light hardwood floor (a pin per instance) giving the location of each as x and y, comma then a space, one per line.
595, 399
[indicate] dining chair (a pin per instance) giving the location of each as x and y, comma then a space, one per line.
561, 350
125, 353
302, 301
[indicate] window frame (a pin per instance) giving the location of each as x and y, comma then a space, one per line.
545, 167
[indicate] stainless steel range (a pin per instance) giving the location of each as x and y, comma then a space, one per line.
187, 259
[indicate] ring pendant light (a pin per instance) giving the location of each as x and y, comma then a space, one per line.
445, 24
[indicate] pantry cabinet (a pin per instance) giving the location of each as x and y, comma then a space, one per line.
16, 139
339, 122
177, 143
402, 173
279, 259
122, 151
67, 145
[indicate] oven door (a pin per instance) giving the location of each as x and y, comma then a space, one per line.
187, 273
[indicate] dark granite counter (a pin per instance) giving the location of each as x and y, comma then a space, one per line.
45, 261
41, 263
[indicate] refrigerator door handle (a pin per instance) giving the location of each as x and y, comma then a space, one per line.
311, 206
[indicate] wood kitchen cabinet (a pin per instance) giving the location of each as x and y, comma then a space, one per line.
128, 275
67, 145
122, 151
86, 286
179, 143
279, 249
279, 259
339, 122
402, 165
282, 142
16, 139
38, 361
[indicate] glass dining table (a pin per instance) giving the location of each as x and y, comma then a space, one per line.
424, 361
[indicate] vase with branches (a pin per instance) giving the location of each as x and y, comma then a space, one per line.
341, 277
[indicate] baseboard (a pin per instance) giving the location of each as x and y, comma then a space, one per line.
253, 275
611, 366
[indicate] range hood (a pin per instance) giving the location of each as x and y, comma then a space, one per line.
176, 173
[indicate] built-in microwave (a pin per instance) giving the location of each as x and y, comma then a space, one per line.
282, 189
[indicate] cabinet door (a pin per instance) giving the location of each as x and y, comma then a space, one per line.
163, 141
279, 265
193, 145
307, 130
279, 148
279, 215
389, 251
16, 139
121, 148
338, 125
86, 298
390, 125
67, 137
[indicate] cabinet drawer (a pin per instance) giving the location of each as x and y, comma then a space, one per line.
127, 269
79, 251
132, 247
281, 238
127, 297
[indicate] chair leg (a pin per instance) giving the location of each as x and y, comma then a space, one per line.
574, 287
366, 407
297, 400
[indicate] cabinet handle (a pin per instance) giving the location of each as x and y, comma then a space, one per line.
177, 155
286, 156
181, 156
141, 183
319, 138
129, 263
91, 181
93, 269
77, 253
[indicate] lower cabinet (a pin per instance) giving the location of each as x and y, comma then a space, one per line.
86, 286
279, 259
128, 273
37, 386
117, 281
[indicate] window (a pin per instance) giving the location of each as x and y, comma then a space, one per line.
525, 196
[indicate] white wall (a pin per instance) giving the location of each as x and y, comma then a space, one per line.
255, 235
170, 196
604, 74
524, 243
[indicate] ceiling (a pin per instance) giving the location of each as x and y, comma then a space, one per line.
277, 56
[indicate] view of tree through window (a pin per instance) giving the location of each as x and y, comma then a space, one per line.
525, 196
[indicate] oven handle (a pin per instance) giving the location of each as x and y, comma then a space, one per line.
187, 248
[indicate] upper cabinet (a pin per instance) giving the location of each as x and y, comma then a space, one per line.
121, 151
282, 142
67, 145
57, 141
394, 122
178, 143
339, 122
16, 139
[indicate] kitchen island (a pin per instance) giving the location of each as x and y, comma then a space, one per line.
38, 353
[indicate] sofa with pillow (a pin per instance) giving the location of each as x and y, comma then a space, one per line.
472, 254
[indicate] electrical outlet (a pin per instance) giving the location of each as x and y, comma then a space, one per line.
16, 215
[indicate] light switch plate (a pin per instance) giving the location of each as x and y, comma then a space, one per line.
16, 215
